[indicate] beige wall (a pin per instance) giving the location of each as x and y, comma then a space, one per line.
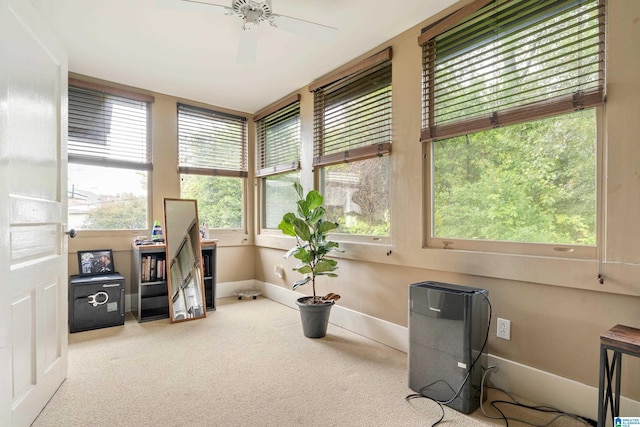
557, 308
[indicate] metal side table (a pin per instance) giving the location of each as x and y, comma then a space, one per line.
619, 339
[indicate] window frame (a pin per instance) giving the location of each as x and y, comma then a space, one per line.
351, 77
428, 135
214, 169
93, 160
278, 112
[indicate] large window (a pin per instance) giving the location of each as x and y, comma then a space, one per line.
109, 158
510, 97
278, 154
352, 138
212, 159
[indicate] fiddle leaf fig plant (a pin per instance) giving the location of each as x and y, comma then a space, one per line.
310, 229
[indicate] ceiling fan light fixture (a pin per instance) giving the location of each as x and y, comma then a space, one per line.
251, 11
251, 19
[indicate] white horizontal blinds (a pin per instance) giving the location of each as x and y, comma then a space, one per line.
211, 142
513, 61
278, 136
353, 116
108, 130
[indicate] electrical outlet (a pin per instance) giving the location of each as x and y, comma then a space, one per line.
504, 329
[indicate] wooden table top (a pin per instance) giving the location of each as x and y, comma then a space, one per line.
624, 338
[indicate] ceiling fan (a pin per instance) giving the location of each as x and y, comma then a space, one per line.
253, 13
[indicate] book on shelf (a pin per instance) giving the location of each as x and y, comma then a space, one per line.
152, 269
143, 269
153, 262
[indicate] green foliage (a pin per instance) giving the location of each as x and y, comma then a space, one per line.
122, 212
533, 182
354, 224
310, 230
219, 199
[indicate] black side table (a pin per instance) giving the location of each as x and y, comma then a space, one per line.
619, 339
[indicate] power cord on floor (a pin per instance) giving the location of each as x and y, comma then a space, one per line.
440, 402
514, 402
418, 395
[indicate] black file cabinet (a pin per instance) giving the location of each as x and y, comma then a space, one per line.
96, 302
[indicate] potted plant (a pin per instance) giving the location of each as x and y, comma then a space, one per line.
310, 229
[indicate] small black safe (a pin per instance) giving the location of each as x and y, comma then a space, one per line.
96, 301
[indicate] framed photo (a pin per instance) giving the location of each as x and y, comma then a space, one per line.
96, 262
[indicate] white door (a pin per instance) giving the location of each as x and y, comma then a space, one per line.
33, 212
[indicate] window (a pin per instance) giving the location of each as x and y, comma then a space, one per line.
278, 152
510, 97
352, 136
212, 160
109, 158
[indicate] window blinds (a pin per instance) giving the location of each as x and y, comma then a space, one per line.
211, 142
278, 139
513, 61
108, 130
352, 115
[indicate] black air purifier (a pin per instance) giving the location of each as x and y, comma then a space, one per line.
447, 331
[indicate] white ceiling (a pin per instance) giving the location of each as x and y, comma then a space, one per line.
191, 54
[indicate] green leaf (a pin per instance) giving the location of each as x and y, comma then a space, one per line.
327, 273
327, 247
327, 226
303, 208
304, 256
317, 214
333, 262
314, 199
324, 265
287, 228
301, 229
288, 217
303, 269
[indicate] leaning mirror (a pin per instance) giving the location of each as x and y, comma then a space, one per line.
182, 237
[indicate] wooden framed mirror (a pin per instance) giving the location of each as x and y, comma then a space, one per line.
184, 257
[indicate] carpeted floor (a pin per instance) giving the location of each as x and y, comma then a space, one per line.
245, 364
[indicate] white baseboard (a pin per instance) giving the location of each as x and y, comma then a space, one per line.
545, 388
521, 380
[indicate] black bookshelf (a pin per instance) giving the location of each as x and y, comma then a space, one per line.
149, 292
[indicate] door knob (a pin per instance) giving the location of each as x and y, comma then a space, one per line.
71, 233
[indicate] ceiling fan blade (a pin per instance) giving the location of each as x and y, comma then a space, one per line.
247, 46
302, 27
201, 6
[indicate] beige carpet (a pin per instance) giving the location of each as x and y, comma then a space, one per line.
246, 364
